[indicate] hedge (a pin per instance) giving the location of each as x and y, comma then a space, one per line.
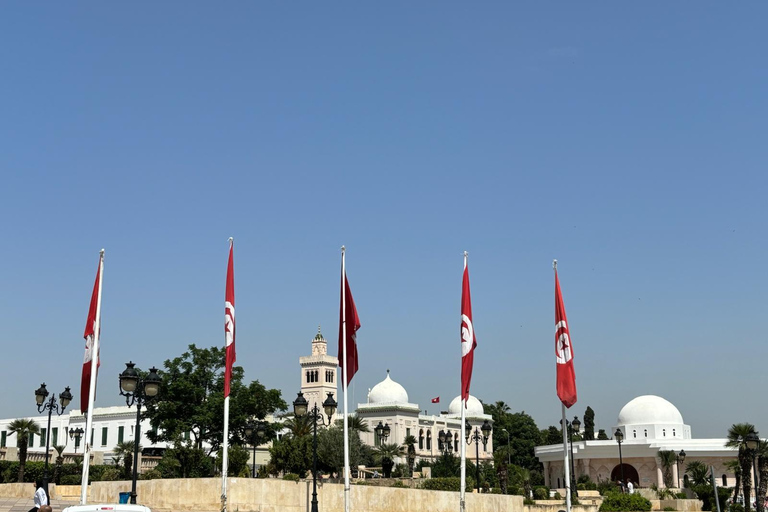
615, 502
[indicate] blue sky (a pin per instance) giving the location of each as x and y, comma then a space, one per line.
624, 139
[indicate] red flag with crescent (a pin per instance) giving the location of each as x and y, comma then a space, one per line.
468, 340
88, 334
566, 377
348, 347
229, 319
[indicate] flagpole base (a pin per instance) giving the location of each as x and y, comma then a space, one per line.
462, 505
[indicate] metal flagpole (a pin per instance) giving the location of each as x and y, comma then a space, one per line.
345, 380
463, 488
566, 463
92, 388
225, 441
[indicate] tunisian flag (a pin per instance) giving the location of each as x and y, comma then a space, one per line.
229, 319
468, 340
566, 377
348, 313
90, 332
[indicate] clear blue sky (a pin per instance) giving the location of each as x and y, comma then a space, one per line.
627, 140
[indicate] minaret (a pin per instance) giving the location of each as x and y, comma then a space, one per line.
318, 373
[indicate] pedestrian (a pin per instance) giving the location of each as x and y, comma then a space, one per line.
41, 498
630, 487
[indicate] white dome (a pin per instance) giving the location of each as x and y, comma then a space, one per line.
387, 392
474, 406
649, 410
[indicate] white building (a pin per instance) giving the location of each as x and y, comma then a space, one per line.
649, 424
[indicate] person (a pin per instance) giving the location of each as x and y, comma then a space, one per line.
621, 487
41, 498
630, 487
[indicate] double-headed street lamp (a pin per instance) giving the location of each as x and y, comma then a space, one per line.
382, 432
573, 426
445, 441
49, 404
619, 435
679, 460
753, 441
300, 407
477, 437
255, 432
138, 390
75, 434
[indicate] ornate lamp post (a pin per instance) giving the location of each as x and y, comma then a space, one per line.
44, 403
300, 407
619, 435
382, 432
255, 432
753, 441
445, 441
679, 460
76, 434
575, 426
477, 437
138, 390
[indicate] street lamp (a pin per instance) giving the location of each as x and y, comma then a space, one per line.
41, 394
138, 390
476, 437
753, 441
256, 433
576, 424
76, 434
300, 407
679, 460
445, 443
619, 435
382, 432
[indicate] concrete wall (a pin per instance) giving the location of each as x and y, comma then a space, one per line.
272, 495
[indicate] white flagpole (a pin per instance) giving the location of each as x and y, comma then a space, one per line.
344, 384
463, 487
225, 441
566, 462
92, 388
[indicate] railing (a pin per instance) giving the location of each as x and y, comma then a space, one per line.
148, 463
69, 458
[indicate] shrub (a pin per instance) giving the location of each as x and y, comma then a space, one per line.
736, 507
528, 501
540, 493
398, 483
615, 502
682, 496
496, 490
607, 486
292, 477
71, 480
558, 496
517, 491
152, 474
669, 509
451, 483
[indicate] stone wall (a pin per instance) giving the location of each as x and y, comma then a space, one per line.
272, 495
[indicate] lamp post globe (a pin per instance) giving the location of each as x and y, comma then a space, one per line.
301, 408
50, 404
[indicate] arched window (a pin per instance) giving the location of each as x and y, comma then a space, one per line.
725, 481
634, 433
673, 432
308, 377
645, 432
421, 439
558, 482
664, 432
456, 443
429, 440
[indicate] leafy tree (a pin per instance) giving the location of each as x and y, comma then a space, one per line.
23, 428
589, 424
197, 377
330, 450
237, 461
524, 435
667, 459
124, 451
737, 438
185, 461
409, 445
292, 454
601, 435
447, 465
552, 435
500, 460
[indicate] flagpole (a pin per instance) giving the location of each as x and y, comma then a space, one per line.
564, 423
463, 488
345, 380
92, 387
225, 441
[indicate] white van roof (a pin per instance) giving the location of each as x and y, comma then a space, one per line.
107, 507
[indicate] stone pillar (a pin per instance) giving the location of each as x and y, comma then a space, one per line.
585, 468
546, 473
675, 476
659, 475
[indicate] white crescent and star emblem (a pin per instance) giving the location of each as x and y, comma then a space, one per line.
229, 323
562, 343
467, 335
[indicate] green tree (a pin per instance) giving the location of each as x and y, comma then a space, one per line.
354, 423
552, 435
667, 459
501, 456
23, 428
300, 426
197, 377
762, 470
737, 438
59, 463
385, 455
330, 450
589, 424
291, 454
697, 471
237, 461
601, 435
735, 467
124, 451
409, 445
185, 461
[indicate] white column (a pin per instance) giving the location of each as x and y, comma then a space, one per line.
659, 476
675, 476
546, 474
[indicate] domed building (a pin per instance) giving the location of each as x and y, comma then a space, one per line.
388, 404
648, 424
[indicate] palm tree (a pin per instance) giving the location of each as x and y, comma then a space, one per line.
124, 451
385, 455
762, 470
354, 423
501, 463
409, 444
300, 426
667, 458
737, 438
698, 472
734, 467
23, 428
59, 462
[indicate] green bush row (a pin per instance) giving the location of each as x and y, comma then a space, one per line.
70, 474
616, 502
451, 483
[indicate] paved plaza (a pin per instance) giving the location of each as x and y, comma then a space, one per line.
24, 504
